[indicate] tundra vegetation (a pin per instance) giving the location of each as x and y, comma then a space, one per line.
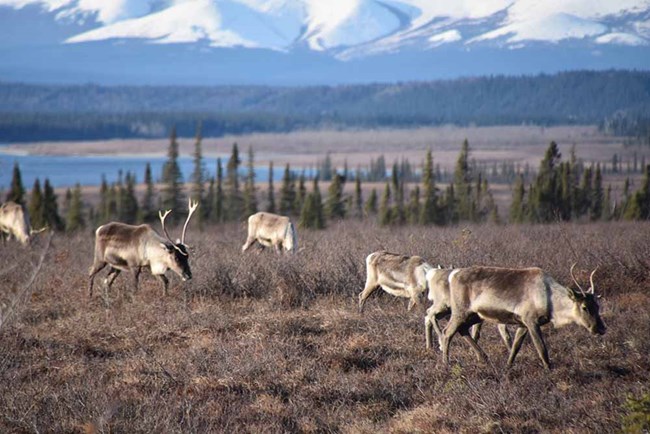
270, 343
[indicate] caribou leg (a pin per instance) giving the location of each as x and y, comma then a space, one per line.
538, 341
96, 268
164, 281
520, 334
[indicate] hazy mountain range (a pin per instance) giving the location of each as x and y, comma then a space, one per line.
314, 41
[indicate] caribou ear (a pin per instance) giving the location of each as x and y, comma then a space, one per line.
178, 241
166, 247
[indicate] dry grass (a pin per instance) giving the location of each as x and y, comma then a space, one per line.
260, 343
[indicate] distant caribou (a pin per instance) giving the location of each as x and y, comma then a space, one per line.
14, 221
526, 297
130, 248
398, 275
271, 230
438, 295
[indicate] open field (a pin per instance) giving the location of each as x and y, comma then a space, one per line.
523, 144
265, 343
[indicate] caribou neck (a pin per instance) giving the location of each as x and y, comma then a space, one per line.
562, 304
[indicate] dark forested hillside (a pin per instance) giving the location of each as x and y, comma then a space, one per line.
32, 112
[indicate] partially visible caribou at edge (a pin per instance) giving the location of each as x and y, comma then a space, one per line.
14, 221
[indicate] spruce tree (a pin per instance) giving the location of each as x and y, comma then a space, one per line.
429, 211
250, 192
129, 206
517, 206
413, 209
197, 191
37, 206
358, 195
371, 203
607, 204
385, 217
51, 208
270, 207
301, 194
311, 214
544, 201
218, 198
103, 213
172, 179
16, 192
287, 192
74, 219
462, 184
334, 205
148, 212
596, 210
234, 202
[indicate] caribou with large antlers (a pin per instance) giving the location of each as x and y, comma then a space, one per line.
130, 248
526, 297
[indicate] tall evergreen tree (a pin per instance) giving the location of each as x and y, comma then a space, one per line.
517, 206
16, 192
413, 209
385, 214
287, 192
270, 207
74, 219
544, 201
148, 212
311, 214
463, 184
103, 214
129, 207
358, 195
429, 211
51, 207
250, 191
397, 213
596, 210
172, 179
607, 204
371, 204
234, 201
197, 192
301, 194
37, 206
334, 205
218, 213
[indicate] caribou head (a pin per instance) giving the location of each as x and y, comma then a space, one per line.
177, 253
586, 309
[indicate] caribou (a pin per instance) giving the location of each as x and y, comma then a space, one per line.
526, 297
438, 295
398, 275
130, 248
14, 221
271, 230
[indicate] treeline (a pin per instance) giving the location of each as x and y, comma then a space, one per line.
569, 190
558, 191
32, 112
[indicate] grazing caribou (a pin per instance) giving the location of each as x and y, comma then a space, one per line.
438, 283
527, 297
130, 248
271, 230
14, 221
398, 275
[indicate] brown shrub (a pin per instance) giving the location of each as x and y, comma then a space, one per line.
268, 343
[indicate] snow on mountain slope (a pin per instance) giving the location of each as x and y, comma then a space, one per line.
354, 28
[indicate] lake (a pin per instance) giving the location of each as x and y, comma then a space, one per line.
66, 171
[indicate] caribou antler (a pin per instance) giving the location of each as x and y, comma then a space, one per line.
576, 280
192, 207
162, 222
591, 280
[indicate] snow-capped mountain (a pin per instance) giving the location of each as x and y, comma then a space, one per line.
615, 33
